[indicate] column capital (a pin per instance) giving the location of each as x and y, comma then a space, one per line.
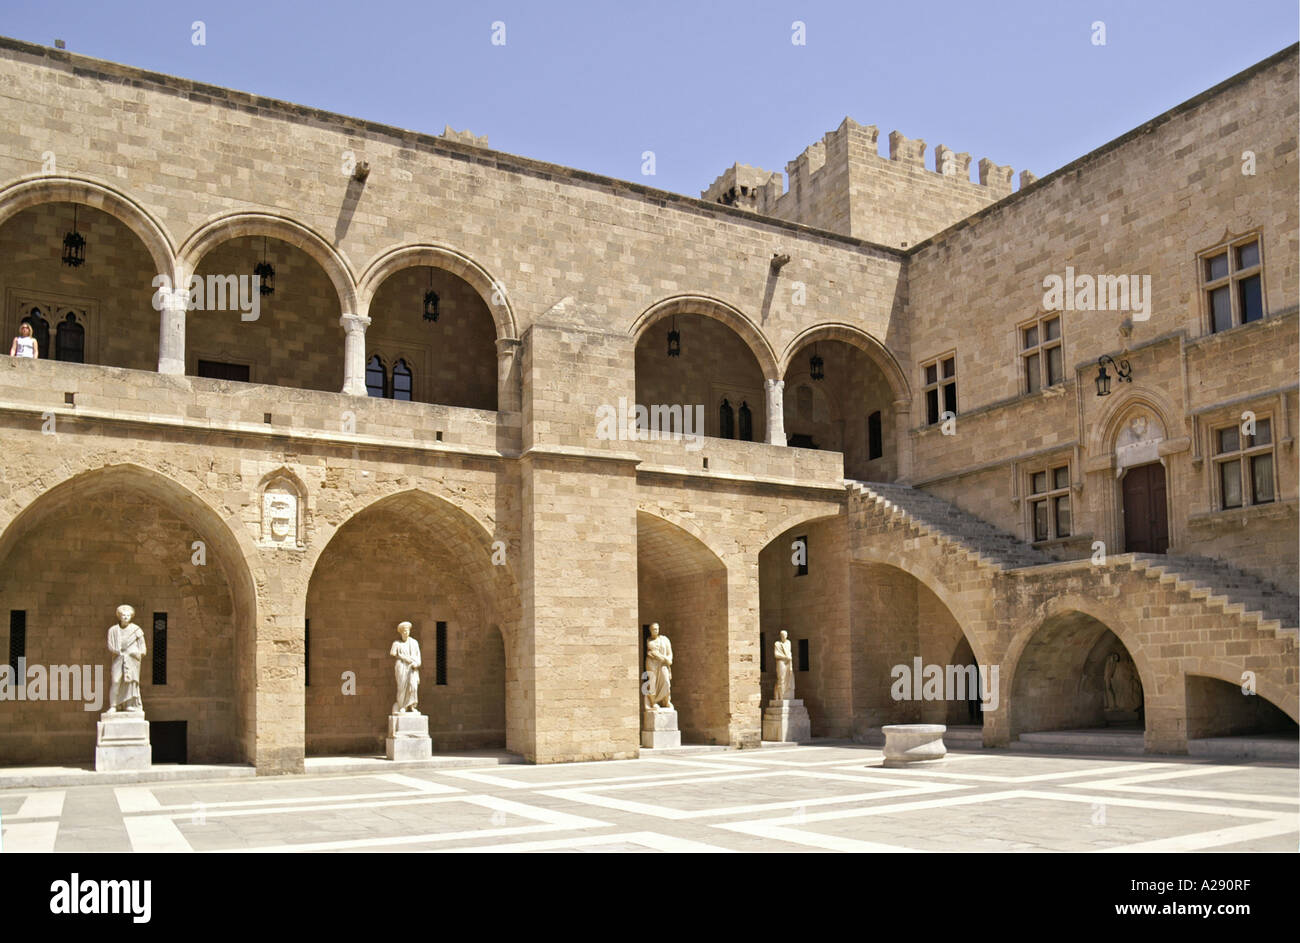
507, 345
771, 385
354, 323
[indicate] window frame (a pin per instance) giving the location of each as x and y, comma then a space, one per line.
939, 387
1049, 497
1230, 246
1243, 455
1040, 349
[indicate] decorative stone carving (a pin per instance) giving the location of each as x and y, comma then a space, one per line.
1138, 443
659, 670
784, 668
406, 670
126, 642
1122, 691
281, 515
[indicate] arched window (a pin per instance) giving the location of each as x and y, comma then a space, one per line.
376, 376
875, 438
40, 330
746, 423
726, 421
402, 381
70, 340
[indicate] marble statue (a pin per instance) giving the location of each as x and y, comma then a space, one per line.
407, 670
659, 667
126, 642
784, 669
1122, 690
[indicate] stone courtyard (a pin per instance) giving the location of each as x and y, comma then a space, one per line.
823, 797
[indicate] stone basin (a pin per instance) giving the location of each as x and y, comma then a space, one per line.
913, 744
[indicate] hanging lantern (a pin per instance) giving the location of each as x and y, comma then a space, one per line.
430, 301
1122, 370
816, 366
265, 273
674, 340
74, 244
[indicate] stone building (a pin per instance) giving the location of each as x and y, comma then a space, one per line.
905, 453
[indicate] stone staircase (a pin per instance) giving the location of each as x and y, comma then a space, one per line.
982, 542
1222, 587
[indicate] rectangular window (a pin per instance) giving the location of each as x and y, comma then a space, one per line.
762, 653
1042, 356
1049, 502
1244, 465
306, 653
17, 640
940, 387
216, 370
801, 556
441, 673
1232, 282
803, 654
160, 648
875, 437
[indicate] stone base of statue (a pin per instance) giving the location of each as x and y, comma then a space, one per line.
408, 737
913, 744
122, 742
786, 722
659, 729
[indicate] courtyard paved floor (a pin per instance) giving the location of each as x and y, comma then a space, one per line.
807, 798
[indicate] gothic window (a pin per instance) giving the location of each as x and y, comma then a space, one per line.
402, 381
1049, 502
940, 387
726, 421
70, 340
1042, 357
376, 377
746, 423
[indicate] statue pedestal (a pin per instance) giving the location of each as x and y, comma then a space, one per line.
786, 722
408, 737
659, 729
122, 742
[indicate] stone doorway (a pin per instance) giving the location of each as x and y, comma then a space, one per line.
1146, 512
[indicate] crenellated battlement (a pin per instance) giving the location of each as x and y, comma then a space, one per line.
843, 184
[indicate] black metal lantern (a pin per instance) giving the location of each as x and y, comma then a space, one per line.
674, 340
1122, 371
817, 366
74, 244
430, 301
265, 273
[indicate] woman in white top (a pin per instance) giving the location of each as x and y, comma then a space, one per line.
24, 344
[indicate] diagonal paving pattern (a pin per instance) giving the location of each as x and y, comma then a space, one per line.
836, 797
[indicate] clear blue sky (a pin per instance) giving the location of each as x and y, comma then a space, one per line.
702, 84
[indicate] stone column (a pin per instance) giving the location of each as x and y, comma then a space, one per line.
903, 439
775, 411
744, 684
508, 392
354, 353
171, 332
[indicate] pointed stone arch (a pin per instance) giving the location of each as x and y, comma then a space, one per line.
879, 354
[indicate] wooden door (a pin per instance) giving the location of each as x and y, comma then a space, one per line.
1146, 515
